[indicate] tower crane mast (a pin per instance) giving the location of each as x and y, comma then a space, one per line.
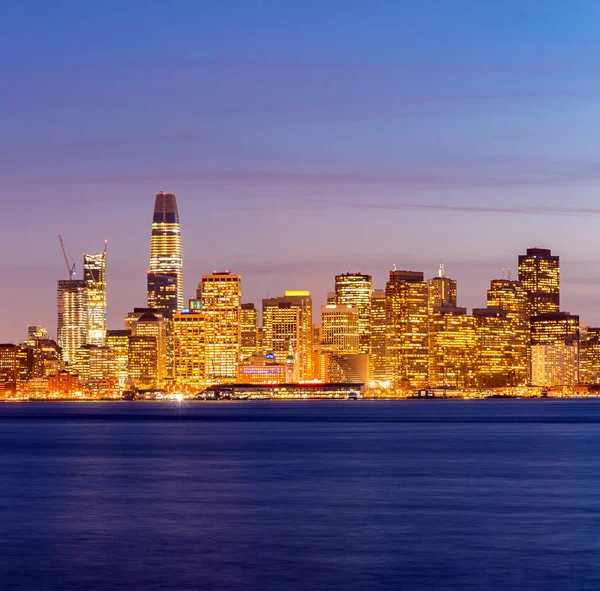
71, 265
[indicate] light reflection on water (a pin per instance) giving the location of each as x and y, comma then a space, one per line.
300, 495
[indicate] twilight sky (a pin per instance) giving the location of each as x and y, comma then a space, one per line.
302, 139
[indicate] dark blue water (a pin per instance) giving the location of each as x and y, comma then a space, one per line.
300, 495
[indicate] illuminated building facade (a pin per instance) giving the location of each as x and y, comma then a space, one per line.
555, 349
46, 358
354, 289
165, 276
441, 290
288, 330
220, 294
589, 355
72, 317
249, 331
13, 367
340, 328
147, 349
539, 273
499, 360
35, 333
407, 330
511, 297
94, 274
64, 385
118, 342
378, 369
94, 362
454, 347
189, 365
264, 369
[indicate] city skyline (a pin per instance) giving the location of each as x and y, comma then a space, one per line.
320, 288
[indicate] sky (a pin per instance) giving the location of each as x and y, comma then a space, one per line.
303, 139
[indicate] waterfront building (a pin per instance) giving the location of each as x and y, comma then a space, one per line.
118, 341
499, 359
511, 297
265, 369
63, 385
589, 355
147, 348
189, 363
94, 362
72, 331
248, 331
220, 295
340, 328
354, 289
46, 358
15, 367
454, 347
378, 369
407, 330
539, 273
288, 330
94, 274
165, 276
555, 349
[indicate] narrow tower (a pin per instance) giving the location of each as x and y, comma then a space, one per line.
165, 277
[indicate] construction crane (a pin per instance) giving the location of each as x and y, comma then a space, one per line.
70, 266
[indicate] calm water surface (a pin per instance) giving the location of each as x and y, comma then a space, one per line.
300, 495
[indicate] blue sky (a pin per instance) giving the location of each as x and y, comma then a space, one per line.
302, 139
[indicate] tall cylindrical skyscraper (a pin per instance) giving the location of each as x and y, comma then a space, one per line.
165, 277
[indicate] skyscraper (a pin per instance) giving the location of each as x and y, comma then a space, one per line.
249, 331
378, 369
354, 289
441, 290
407, 318
539, 273
511, 297
72, 300
288, 330
340, 328
94, 274
555, 349
220, 294
165, 276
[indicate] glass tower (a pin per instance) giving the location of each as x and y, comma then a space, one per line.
165, 276
94, 274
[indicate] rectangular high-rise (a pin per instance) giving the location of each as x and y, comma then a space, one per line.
407, 319
72, 330
94, 274
288, 330
354, 289
539, 274
221, 297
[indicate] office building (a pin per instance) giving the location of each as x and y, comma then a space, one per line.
165, 276
340, 328
407, 331
378, 369
248, 331
539, 273
147, 349
454, 347
511, 297
189, 363
72, 331
220, 294
288, 330
555, 349
354, 289
118, 342
94, 274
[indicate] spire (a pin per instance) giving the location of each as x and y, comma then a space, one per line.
441, 271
